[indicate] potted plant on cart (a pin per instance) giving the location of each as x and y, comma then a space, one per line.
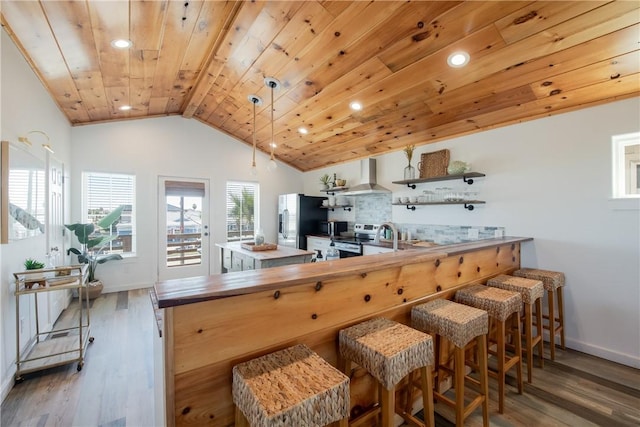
34, 279
91, 248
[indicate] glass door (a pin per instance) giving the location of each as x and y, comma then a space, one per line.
183, 228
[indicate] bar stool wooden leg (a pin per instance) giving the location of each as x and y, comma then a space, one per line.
483, 365
518, 334
409, 403
500, 361
561, 317
427, 398
388, 404
459, 385
552, 324
528, 333
540, 332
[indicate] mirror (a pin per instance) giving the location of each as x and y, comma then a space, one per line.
22, 204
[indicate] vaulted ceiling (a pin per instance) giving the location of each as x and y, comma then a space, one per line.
202, 60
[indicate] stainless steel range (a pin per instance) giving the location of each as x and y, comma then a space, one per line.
352, 246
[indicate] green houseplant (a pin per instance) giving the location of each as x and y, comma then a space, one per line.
33, 279
92, 246
32, 264
325, 181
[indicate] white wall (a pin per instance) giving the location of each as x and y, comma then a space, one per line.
25, 106
550, 179
171, 146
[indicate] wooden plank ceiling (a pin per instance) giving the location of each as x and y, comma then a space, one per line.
202, 59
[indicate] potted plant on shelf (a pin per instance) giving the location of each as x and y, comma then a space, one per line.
325, 181
91, 248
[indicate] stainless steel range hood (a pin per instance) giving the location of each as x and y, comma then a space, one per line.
368, 183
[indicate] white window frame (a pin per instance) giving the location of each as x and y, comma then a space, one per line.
115, 201
619, 168
256, 209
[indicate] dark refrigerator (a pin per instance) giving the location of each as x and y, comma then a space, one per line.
298, 215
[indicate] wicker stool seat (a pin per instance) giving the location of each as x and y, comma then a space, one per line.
461, 325
291, 387
501, 305
390, 351
553, 282
531, 292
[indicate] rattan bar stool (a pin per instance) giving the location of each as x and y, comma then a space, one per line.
461, 325
502, 306
531, 292
390, 351
553, 282
291, 387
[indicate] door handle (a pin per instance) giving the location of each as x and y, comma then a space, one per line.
285, 227
206, 234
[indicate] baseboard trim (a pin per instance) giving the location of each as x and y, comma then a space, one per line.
603, 353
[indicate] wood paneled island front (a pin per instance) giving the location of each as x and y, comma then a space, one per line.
209, 324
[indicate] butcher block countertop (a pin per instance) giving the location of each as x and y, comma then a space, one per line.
177, 292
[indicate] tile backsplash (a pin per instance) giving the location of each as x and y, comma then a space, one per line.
447, 234
377, 208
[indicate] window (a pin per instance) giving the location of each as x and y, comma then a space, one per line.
104, 192
242, 197
626, 165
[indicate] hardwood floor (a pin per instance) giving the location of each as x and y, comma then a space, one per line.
115, 387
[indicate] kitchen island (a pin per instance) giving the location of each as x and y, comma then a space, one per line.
209, 324
233, 257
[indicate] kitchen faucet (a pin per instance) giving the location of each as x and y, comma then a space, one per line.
394, 231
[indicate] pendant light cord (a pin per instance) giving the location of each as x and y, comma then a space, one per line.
272, 85
254, 132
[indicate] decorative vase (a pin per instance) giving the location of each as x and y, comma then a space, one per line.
259, 237
457, 167
409, 172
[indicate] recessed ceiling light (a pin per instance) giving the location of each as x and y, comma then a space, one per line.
458, 59
303, 131
355, 106
121, 43
125, 108
273, 145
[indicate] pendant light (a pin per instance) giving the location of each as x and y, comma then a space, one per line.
273, 84
255, 100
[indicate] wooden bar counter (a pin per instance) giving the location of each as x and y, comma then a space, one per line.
209, 324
